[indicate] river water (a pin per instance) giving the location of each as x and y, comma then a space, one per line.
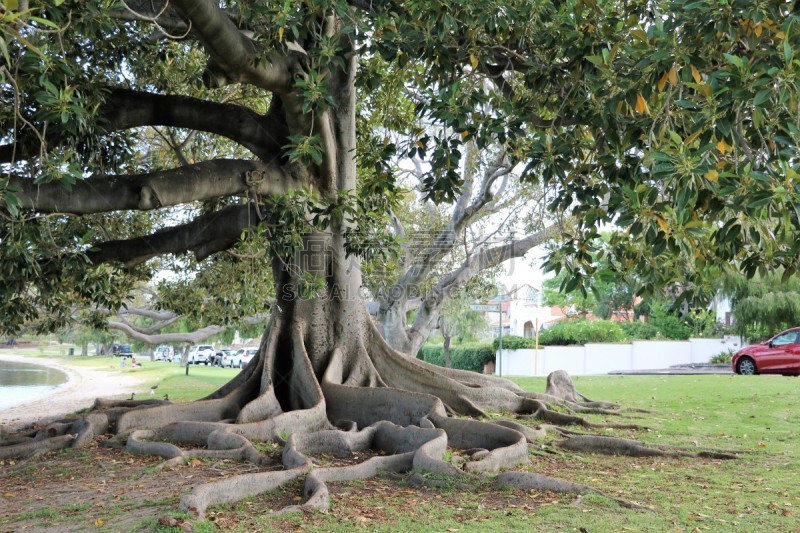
23, 382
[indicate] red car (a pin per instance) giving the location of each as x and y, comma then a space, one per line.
778, 355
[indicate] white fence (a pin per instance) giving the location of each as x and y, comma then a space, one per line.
605, 358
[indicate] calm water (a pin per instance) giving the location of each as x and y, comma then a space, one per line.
22, 382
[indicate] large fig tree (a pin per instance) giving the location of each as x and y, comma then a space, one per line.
676, 120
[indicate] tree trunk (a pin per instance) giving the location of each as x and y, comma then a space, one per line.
446, 350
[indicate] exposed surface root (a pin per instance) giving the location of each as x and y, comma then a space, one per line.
34, 448
530, 481
634, 448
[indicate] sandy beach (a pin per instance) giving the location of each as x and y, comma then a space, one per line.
82, 387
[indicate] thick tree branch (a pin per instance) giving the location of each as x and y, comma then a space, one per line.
233, 55
192, 337
154, 328
147, 313
202, 181
264, 135
205, 235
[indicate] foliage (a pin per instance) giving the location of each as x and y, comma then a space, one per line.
465, 357
567, 332
764, 305
569, 301
637, 330
457, 320
675, 120
514, 342
722, 357
609, 293
669, 324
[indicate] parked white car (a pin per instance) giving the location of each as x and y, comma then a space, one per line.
163, 353
200, 354
231, 359
240, 358
247, 356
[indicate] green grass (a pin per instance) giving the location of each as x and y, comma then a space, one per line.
745, 412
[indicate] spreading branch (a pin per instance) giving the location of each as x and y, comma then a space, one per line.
204, 236
234, 56
201, 181
124, 109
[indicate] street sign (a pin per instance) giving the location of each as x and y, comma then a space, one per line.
485, 308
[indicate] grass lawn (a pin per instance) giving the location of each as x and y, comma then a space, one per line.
760, 491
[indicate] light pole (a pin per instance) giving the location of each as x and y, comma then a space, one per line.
500, 342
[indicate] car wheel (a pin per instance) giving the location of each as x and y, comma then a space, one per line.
746, 366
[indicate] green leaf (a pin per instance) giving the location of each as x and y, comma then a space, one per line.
735, 60
686, 103
597, 60
762, 97
4, 50
11, 5
46, 22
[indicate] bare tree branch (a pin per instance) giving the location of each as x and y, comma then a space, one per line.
463, 213
431, 303
192, 337
147, 313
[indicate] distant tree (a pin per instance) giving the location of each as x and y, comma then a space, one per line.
763, 305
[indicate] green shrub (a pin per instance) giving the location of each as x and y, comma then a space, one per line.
512, 342
465, 357
723, 357
639, 330
671, 327
569, 332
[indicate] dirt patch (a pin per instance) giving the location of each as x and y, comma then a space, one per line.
78, 489
103, 487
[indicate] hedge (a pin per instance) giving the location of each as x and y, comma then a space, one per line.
465, 357
512, 342
568, 332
